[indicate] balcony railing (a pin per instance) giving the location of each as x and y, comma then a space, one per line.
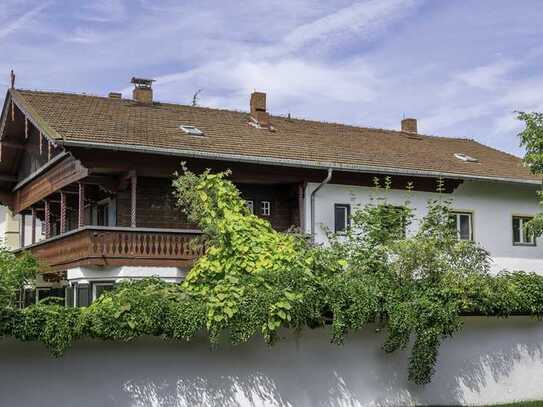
118, 246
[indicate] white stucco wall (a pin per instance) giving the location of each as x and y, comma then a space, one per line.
491, 360
10, 229
87, 274
492, 204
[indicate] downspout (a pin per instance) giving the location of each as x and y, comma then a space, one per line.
323, 183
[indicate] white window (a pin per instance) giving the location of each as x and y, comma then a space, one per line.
466, 158
342, 217
99, 288
265, 208
250, 206
520, 235
462, 222
193, 131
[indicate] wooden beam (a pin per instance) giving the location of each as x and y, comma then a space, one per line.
62, 212
105, 182
57, 177
133, 202
33, 225
81, 206
47, 219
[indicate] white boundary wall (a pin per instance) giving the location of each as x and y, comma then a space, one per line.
491, 360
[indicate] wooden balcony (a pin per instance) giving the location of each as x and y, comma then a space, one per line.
118, 246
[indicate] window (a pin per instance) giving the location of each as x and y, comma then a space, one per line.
42, 293
265, 208
466, 158
342, 217
193, 131
463, 224
99, 288
520, 235
251, 206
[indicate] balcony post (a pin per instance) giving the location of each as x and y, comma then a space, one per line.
33, 225
133, 203
81, 206
62, 212
23, 227
47, 211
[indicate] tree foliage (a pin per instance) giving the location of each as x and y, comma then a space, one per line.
15, 272
245, 258
531, 138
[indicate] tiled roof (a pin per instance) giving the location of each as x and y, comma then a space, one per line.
82, 118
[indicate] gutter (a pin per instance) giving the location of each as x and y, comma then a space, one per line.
323, 183
318, 165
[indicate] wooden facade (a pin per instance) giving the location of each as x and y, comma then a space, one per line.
116, 246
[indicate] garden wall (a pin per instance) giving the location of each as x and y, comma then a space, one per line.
491, 360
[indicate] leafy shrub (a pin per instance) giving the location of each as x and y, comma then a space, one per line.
253, 281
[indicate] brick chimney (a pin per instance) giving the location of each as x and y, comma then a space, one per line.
409, 125
258, 109
143, 92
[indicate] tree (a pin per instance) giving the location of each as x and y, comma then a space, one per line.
15, 272
531, 138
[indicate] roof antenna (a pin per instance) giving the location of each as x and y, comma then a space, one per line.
195, 97
12, 79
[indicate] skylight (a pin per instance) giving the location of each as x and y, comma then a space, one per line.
466, 158
193, 131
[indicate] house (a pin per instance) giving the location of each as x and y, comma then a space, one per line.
97, 171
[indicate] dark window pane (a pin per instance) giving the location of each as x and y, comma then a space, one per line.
464, 227
341, 217
83, 295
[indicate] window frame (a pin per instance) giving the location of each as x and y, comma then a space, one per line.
250, 203
347, 207
192, 130
265, 206
458, 213
100, 284
522, 219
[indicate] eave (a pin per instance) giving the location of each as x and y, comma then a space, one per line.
322, 165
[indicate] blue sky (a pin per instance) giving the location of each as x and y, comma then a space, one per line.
460, 67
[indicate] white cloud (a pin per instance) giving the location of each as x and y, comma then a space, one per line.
487, 77
363, 19
289, 82
22, 22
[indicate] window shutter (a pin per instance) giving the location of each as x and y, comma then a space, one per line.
69, 296
83, 295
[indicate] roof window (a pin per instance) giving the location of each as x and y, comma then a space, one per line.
193, 131
466, 158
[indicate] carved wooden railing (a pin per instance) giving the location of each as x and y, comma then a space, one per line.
116, 246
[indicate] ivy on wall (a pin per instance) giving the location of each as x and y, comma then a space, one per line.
253, 281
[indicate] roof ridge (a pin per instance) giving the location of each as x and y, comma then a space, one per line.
276, 116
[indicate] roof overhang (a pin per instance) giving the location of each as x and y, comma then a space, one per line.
293, 163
